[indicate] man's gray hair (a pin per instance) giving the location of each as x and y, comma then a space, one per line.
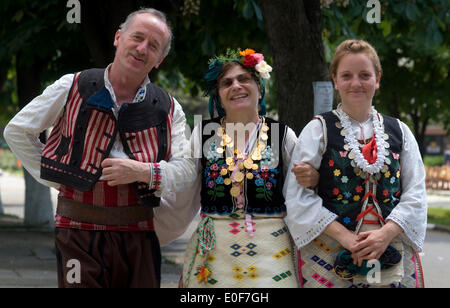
156, 13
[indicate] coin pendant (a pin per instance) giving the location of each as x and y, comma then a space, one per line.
238, 177
235, 191
248, 163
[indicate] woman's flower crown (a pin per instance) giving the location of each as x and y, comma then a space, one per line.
247, 58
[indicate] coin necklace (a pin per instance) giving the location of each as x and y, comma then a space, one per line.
241, 165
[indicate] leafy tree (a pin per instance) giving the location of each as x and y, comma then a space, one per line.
412, 41
32, 36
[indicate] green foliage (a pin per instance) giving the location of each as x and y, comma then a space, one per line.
431, 161
219, 25
8, 162
439, 216
412, 41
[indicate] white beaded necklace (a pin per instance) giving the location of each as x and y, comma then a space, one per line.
353, 143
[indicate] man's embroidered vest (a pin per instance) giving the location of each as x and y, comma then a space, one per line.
342, 185
262, 194
83, 137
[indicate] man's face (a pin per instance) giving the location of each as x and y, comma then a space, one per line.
140, 47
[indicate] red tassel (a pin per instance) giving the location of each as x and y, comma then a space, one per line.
369, 151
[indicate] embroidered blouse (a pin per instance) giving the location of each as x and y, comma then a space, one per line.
307, 218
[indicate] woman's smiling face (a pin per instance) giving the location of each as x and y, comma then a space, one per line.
356, 80
238, 91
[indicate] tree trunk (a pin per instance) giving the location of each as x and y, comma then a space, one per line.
100, 20
294, 30
38, 204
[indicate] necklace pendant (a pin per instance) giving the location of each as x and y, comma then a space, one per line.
351, 155
235, 191
256, 155
262, 146
248, 163
238, 177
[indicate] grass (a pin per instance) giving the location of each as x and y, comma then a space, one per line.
8, 162
439, 216
431, 161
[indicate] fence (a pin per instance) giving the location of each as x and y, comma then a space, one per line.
438, 177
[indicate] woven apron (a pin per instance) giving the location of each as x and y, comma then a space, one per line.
318, 257
222, 253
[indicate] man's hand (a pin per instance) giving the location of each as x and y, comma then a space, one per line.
306, 175
118, 171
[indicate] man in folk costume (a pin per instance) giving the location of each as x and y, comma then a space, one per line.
110, 154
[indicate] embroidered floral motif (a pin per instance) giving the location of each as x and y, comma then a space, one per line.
264, 176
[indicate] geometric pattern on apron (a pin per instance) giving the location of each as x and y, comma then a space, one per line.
317, 259
265, 260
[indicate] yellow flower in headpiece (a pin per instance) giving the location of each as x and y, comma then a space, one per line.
246, 52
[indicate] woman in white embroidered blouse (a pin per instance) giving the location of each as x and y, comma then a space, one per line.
360, 207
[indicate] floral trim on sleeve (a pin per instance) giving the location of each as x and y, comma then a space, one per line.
156, 176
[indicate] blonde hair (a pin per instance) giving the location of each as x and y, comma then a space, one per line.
355, 47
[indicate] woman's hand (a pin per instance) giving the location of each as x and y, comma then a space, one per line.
341, 234
306, 175
372, 244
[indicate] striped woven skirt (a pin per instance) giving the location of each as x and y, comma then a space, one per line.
317, 259
226, 252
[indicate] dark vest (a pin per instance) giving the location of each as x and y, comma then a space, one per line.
83, 137
262, 194
341, 184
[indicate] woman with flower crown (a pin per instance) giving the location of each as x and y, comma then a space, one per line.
242, 240
366, 223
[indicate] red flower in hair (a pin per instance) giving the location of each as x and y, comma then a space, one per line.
252, 59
